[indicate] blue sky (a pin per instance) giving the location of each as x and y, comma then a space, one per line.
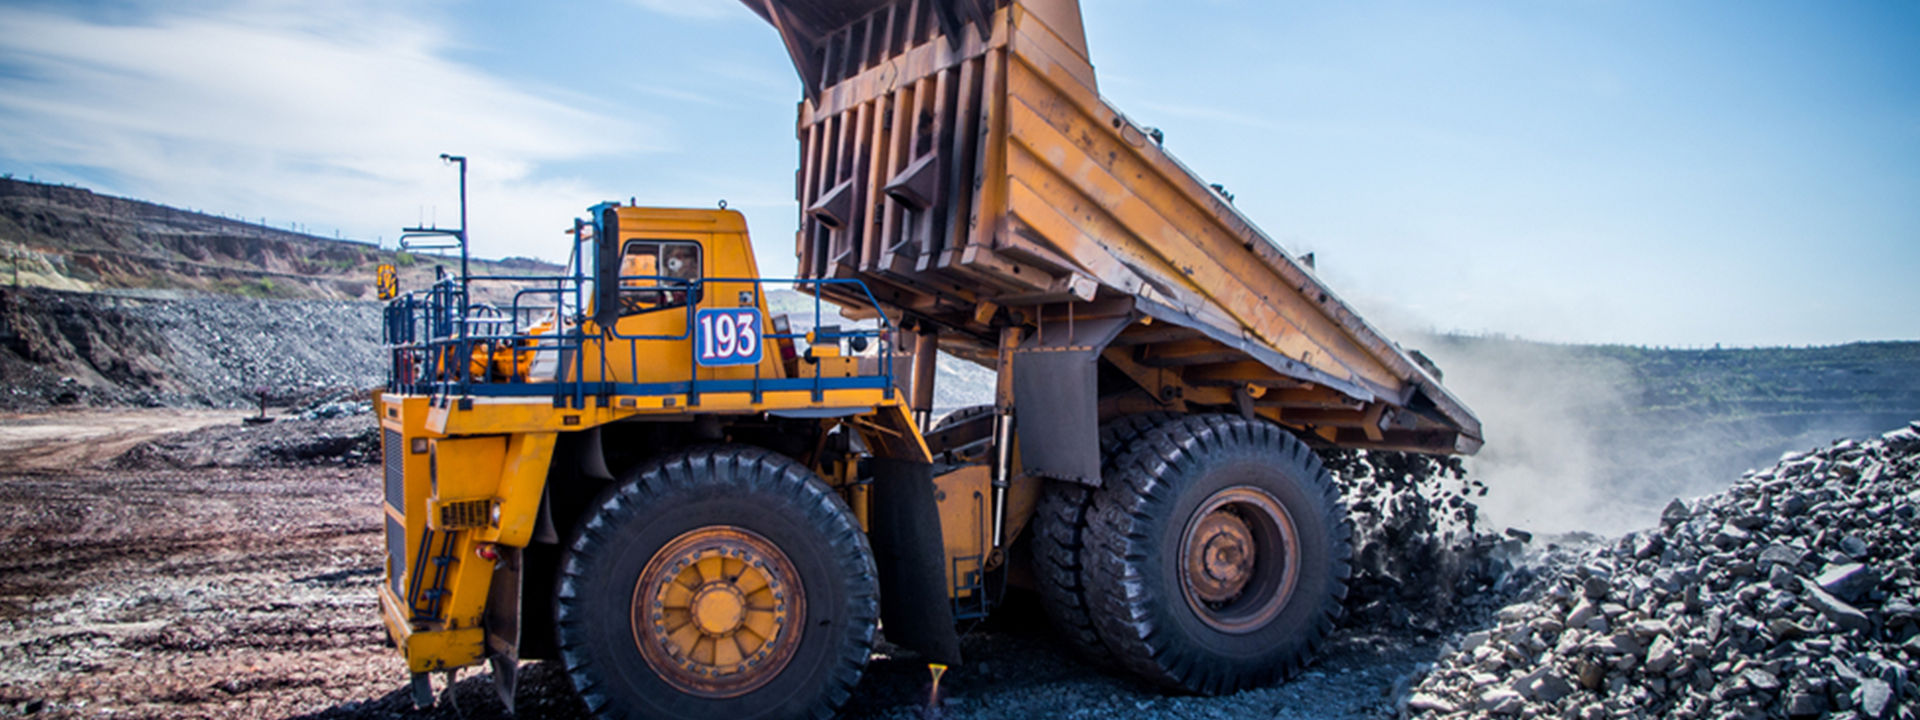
1667, 173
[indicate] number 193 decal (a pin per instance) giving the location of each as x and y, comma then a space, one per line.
727, 336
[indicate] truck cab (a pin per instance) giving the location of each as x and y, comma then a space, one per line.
684, 293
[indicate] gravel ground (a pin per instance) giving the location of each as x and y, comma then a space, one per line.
78, 438
215, 593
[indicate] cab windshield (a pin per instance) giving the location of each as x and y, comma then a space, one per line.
657, 274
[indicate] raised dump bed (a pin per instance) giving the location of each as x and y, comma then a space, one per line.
957, 157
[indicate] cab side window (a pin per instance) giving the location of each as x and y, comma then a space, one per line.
657, 274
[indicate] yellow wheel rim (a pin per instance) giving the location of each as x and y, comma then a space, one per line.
716, 612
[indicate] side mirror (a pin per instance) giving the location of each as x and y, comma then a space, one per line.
606, 270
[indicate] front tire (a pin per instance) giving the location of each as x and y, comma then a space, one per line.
1216, 555
725, 581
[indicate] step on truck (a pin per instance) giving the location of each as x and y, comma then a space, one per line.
707, 493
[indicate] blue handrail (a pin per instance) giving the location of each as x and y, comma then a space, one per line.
432, 342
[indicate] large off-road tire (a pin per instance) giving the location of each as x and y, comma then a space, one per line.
723, 581
1059, 526
1216, 554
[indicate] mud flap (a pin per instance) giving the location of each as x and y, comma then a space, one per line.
1057, 405
421, 687
908, 552
1056, 389
503, 625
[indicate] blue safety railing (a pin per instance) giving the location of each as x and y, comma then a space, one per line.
433, 337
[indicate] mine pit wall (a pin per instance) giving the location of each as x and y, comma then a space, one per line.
66, 348
72, 238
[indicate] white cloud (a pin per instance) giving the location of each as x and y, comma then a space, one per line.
324, 113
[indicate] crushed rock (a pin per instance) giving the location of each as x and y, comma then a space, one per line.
1791, 594
66, 348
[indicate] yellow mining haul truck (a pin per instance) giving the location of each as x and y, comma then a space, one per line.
704, 508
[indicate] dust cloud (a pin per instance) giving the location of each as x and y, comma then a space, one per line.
1583, 439
1547, 466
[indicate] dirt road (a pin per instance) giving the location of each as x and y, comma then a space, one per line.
249, 593
84, 438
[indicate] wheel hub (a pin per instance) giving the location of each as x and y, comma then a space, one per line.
719, 609
713, 611
1240, 559
1222, 561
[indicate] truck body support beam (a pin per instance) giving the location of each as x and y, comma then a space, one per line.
926, 353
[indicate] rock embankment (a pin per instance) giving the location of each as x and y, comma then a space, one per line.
1790, 595
63, 348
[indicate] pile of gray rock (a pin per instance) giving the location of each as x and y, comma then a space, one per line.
1790, 595
330, 409
62, 348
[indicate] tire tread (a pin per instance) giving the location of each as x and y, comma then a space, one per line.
719, 468
1059, 543
1119, 549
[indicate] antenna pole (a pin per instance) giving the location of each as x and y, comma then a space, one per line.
461, 235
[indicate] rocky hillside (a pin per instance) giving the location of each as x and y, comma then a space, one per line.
65, 348
111, 301
70, 238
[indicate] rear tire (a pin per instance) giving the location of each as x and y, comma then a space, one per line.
1059, 528
1217, 555
724, 581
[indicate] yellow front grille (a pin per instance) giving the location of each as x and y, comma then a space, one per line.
464, 514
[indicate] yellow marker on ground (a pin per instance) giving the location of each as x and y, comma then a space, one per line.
933, 695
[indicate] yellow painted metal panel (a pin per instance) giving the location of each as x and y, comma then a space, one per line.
533, 415
428, 650
1187, 239
523, 481
436, 650
468, 467
964, 497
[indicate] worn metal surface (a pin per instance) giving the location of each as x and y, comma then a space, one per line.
1055, 377
956, 155
1240, 559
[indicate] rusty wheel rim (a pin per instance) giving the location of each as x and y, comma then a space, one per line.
716, 611
1239, 559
